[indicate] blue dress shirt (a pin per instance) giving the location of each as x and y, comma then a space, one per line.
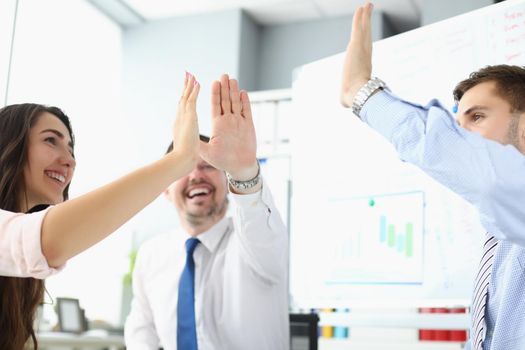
489, 175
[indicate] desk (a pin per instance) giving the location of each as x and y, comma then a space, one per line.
57, 340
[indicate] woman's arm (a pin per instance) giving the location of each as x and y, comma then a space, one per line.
73, 226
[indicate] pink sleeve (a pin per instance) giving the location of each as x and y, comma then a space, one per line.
20, 249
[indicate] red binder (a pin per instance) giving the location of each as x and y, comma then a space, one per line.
426, 334
458, 335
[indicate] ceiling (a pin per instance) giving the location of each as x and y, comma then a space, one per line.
403, 14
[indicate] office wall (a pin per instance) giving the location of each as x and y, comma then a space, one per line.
261, 57
284, 47
250, 53
155, 57
433, 11
7, 14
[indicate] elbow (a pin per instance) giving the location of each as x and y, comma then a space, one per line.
54, 255
276, 271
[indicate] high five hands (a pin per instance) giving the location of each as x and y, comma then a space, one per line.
233, 145
357, 65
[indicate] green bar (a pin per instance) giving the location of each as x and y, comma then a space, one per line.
409, 239
391, 235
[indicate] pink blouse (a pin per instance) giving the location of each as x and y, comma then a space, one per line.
20, 249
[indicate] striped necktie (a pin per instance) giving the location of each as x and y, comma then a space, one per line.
481, 291
186, 328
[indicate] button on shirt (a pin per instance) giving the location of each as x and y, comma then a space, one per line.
241, 283
20, 249
489, 175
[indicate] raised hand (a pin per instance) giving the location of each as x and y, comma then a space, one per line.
232, 145
73, 226
185, 127
357, 66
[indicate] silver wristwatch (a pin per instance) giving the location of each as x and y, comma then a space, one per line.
247, 184
365, 92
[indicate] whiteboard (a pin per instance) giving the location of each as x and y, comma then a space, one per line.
367, 229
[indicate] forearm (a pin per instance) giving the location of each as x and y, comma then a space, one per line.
262, 235
489, 175
73, 226
429, 138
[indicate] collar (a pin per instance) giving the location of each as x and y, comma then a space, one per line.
210, 239
37, 208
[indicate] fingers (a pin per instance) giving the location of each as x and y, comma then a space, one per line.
189, 85
356, 23
215, 99
361, 23
225, 94
357, 63
192, 98
246, 110
235, 97
225, 97
366, 23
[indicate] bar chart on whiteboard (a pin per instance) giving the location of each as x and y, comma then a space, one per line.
389, 225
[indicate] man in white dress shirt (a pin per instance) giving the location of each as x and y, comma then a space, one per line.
240, 262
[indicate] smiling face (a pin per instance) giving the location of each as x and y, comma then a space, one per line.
200, 197
482, 110
50, 163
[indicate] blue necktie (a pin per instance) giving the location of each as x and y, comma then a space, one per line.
186, 332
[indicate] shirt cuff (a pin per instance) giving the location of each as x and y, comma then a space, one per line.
254, 201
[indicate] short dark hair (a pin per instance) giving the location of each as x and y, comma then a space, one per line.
203, 138
510, 84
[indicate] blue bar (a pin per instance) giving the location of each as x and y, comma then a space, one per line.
382, 228
341, 332
401, 243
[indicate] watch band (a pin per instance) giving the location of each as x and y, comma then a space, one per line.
365, 92
247, 184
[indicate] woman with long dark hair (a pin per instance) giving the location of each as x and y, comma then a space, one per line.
39, 229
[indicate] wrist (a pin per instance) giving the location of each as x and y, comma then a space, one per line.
365, 92
351, 90
246, 173
357, 85
179, 164
246, 181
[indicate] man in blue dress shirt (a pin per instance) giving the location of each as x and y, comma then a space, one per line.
479, 155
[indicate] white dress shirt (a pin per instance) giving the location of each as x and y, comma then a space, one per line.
20, 249
241, 283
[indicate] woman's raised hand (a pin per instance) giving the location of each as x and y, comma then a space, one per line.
185, 127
